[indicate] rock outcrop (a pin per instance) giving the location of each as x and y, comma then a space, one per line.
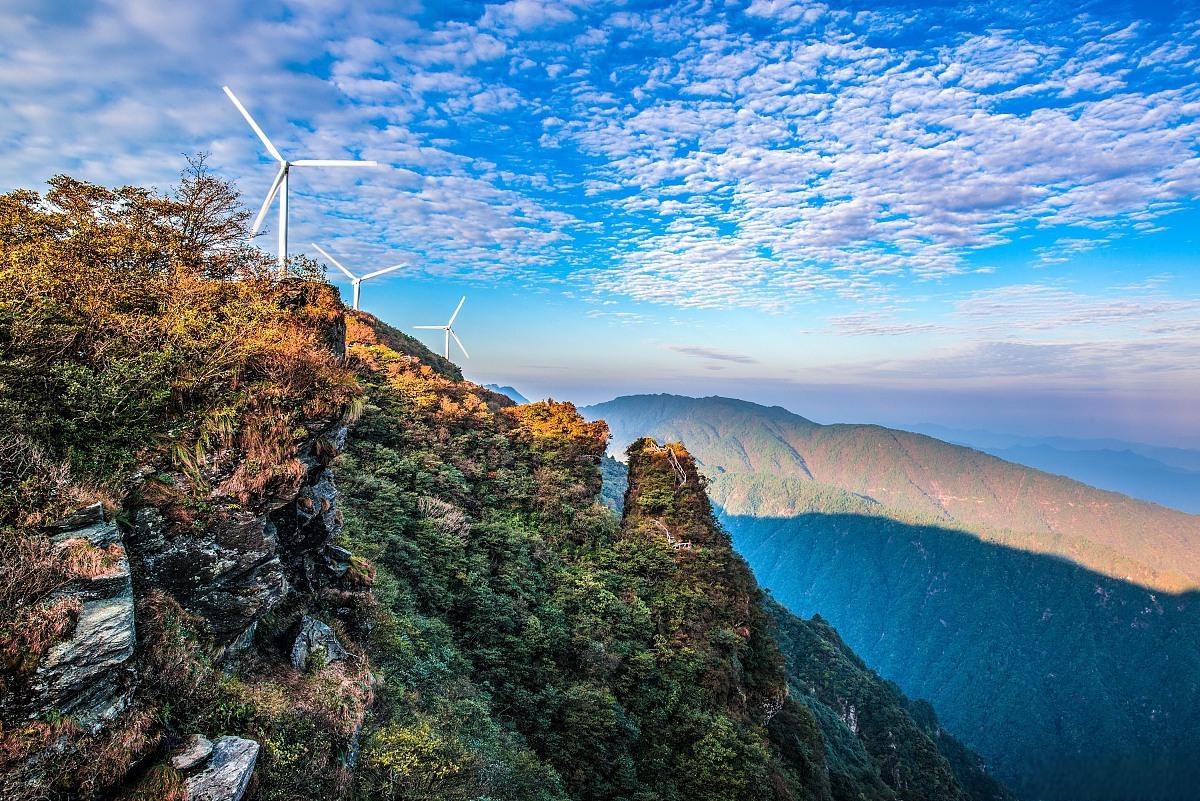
228, 573
88, 676
244, 561
198, 749
315, 641
226, 773
206, 413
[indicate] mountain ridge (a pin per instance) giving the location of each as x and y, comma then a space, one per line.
259, 546
929, 480
1166, 476
508, 392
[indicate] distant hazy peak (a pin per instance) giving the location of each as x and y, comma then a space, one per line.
667, 403
508, 392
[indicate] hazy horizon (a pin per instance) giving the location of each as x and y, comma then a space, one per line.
828, 404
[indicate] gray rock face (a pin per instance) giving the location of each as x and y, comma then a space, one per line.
337, 559
241, 644
87, 676
226, 773
315, 638
230, 574
308, 526
197, 749
316, 513
245, 561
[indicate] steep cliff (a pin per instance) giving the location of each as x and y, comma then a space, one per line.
167, 512
1072, 682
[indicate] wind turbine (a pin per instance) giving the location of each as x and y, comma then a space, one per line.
449, 330
356, 281
281, 179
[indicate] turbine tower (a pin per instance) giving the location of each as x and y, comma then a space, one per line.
280, 185
448, 328
356, 281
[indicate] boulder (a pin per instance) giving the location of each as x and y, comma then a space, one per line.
87, 676
197, 749
236, 649
337, 559
226, 773
315, 638
85, 517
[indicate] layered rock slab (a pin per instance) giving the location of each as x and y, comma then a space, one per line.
226, 773
88, 675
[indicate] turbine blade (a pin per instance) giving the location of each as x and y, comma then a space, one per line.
334, 163
335, 262
270, 147
431, 327
384, 270
459, 341
456, 311
274, 190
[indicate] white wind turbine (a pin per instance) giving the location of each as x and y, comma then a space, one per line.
449, 330
281, 179
355, 280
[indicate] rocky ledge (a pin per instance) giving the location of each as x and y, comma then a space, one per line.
245, 560
89, 675
223, 773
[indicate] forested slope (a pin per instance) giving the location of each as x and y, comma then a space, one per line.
1072, 683
601, 658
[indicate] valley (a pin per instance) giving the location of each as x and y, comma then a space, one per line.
1067, 636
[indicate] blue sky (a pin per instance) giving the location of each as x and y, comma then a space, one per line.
974, 214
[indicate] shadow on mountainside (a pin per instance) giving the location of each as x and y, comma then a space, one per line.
1072, 684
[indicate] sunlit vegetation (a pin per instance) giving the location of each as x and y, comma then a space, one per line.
137, 326
142, 338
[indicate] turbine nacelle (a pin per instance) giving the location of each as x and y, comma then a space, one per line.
448, 330
281, 178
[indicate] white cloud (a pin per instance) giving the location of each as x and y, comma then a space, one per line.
788, 10
761, 159
527, 15
117, 92
880, 324
855, 161
1024, 309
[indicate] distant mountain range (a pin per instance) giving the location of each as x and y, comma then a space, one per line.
507, 391
1053, 625
771, 462
1169, 476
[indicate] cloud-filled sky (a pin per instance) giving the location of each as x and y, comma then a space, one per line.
978, 214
